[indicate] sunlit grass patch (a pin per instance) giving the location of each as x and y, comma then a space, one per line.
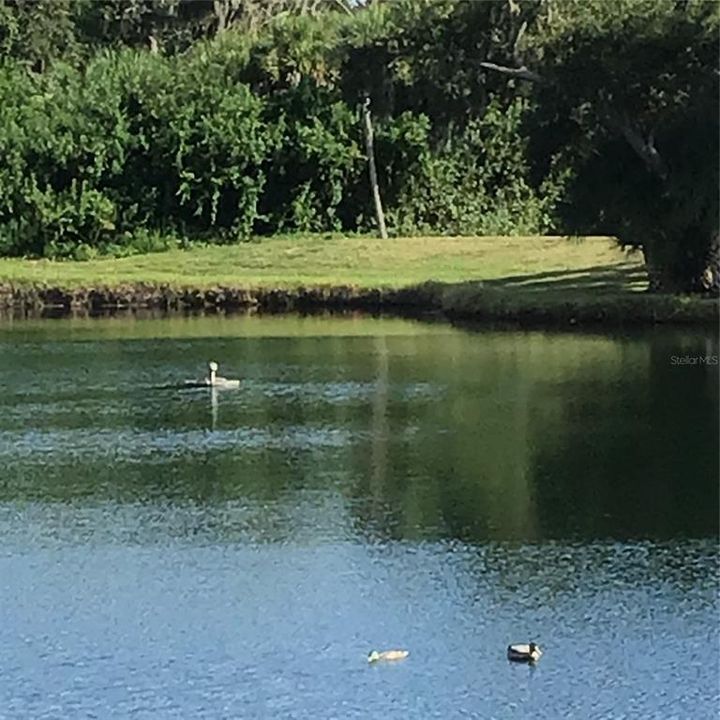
533, 263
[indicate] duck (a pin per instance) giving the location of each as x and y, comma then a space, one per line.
529, 653
387, 655
213, 379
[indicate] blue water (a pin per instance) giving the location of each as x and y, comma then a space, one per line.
188, 554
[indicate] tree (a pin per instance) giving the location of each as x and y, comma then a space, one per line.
627, 96
38, 31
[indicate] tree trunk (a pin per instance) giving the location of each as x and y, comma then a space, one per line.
684, 266
710, 281
379, 214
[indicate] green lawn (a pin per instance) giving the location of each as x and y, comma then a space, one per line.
531, 263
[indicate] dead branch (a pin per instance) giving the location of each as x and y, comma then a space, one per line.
521, 73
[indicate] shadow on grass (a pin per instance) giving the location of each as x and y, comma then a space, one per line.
601, 294
603, 278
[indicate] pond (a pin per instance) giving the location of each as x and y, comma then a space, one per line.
171, 552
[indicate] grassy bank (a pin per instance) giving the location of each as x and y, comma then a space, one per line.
292, 261
530, 279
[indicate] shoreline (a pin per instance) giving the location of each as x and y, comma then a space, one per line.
459, 301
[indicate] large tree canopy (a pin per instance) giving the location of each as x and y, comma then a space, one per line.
627, 101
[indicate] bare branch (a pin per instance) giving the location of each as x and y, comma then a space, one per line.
521, 73
343, 5
518, 39
221, 11
644, 148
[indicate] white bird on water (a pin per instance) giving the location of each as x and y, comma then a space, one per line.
213, 379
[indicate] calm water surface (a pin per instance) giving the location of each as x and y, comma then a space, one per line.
174, 553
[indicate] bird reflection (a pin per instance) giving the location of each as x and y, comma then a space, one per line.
214, 407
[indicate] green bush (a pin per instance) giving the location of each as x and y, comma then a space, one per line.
316, 163
242, 135
477, 182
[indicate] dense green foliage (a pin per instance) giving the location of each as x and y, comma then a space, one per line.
642, 127
127, 124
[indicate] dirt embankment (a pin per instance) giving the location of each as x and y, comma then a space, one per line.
33, 298
470, 301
